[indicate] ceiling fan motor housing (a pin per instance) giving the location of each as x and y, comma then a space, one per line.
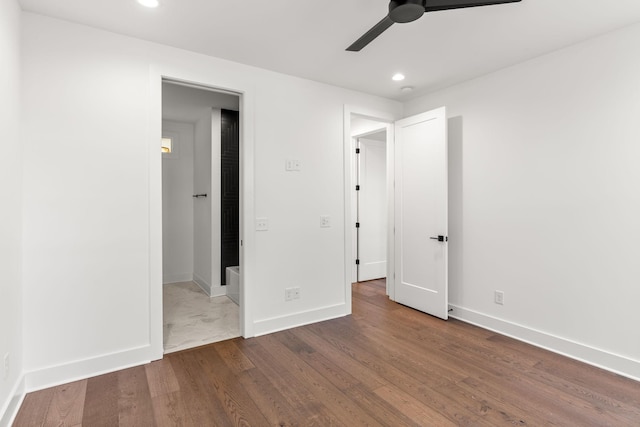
406, 11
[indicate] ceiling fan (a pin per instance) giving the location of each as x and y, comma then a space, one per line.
410, 10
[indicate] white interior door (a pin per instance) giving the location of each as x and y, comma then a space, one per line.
421, 199
372, 209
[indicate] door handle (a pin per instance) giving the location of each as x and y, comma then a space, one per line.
197, 196
440, 238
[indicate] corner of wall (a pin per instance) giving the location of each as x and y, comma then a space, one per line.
52, 376
12, 406
208, 288
11, 214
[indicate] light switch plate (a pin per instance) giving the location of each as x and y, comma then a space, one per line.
262, 224
292, 165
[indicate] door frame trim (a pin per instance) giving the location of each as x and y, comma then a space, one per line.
157, 75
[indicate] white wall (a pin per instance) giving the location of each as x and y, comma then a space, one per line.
544, 200
178, 203
10, 207
203, 207
90, 157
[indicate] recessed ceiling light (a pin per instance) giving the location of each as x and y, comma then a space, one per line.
149, 3
406, 89
398, 77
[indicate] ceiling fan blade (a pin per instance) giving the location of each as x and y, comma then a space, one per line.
370, 35
436, 5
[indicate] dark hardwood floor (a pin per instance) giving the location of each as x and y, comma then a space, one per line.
384, 365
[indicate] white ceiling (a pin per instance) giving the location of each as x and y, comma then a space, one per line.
308, 38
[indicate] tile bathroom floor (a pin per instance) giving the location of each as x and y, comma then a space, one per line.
193, 319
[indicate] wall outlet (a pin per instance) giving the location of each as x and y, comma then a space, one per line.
5, 364
498, 297
291, 293
325, 221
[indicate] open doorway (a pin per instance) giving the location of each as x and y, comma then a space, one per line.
369, 200
200, 216
417, 194
371, 206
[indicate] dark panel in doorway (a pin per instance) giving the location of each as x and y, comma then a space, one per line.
230, 191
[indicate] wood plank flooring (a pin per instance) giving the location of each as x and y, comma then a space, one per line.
386, 365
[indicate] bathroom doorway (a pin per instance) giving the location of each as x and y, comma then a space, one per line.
200, 210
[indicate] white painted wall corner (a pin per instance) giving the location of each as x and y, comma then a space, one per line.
10, 410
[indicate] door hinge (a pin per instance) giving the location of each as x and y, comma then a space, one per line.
357, 225
357, 188
357, 151
357, 262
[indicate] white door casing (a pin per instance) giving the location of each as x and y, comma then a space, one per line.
372, 210
421, 200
